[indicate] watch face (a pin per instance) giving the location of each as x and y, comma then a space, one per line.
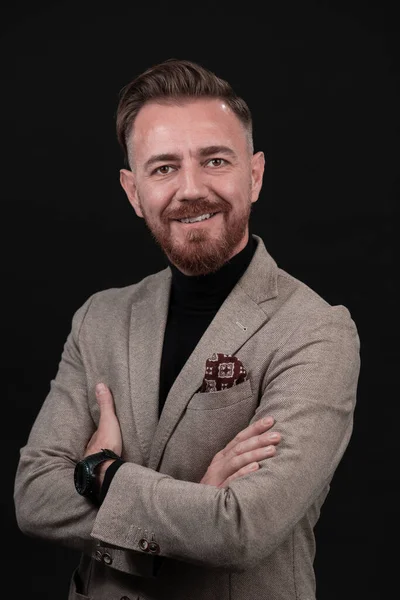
82, 478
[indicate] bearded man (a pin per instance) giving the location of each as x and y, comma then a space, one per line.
153, 453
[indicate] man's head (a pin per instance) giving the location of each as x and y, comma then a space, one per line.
187, 138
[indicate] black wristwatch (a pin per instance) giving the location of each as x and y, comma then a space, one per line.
84, 475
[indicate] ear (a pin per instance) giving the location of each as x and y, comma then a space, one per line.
257, 172
128, 182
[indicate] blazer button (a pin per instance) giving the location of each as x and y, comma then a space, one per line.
144, 545
154, 548
107, 559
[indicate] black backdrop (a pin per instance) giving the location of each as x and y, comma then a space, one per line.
322, 83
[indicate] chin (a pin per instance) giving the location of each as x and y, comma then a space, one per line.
199, 257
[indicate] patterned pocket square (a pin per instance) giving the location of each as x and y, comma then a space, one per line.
222, 371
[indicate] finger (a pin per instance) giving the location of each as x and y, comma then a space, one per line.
104, 400
243, 471
255, 428
256, 441
240, 461
237, 463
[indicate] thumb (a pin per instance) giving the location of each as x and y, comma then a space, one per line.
104, 400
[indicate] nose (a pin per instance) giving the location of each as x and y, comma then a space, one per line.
192, 183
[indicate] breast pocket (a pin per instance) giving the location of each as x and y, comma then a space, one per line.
221, 399
210, 422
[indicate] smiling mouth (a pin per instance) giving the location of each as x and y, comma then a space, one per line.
199, 219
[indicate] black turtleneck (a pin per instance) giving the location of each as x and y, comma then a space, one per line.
194, 302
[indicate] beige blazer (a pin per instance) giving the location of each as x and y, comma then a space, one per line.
251, 541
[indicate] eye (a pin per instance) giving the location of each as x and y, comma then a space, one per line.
217, 162
163, 170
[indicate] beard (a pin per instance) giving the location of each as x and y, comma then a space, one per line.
199, 252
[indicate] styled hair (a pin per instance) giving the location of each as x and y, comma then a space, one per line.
173, 81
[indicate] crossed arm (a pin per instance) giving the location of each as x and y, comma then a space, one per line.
238, 458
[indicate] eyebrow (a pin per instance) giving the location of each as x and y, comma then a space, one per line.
209, 150
203, 153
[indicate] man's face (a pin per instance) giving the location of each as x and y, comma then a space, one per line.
190, 160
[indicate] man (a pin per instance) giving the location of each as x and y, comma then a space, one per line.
193, 497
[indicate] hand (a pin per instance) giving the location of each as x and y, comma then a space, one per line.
239, 456
108, 433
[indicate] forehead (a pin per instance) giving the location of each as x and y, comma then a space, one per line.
189, 124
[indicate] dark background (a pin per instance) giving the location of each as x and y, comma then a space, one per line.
322, 81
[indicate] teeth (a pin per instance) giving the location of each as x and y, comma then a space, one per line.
201, 218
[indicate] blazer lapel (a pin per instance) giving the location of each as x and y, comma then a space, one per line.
147, 327
238, 319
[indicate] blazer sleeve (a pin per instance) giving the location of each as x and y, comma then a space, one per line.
310, 388
45, 498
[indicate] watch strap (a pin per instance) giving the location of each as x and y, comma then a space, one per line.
108, 477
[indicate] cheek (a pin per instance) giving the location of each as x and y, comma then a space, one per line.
153, 199
236, 190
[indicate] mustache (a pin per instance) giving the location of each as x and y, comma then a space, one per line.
193, 209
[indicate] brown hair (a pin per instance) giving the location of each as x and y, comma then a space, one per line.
174, 80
